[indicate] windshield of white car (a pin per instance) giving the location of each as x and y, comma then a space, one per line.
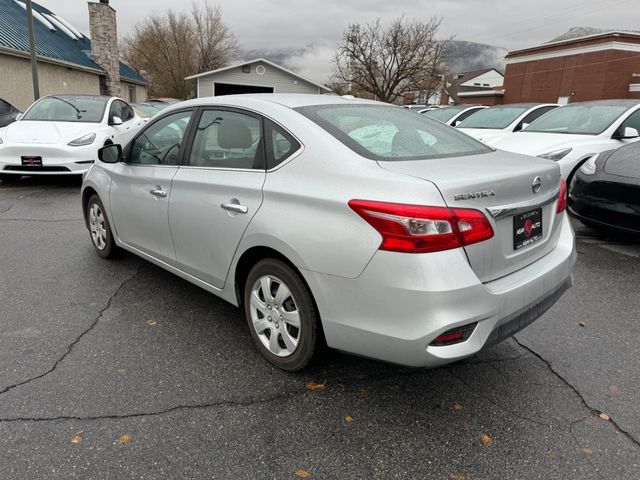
387, 133
68, 108
577, 119
444, 114
495, 118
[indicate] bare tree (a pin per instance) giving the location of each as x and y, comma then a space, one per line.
389, 62
171, 46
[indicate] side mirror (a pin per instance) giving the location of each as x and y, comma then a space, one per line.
630, 132
116, 121
524, 125
19, 116
283, 145
110, 153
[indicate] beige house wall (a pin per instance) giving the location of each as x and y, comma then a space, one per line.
16, 85
139, 93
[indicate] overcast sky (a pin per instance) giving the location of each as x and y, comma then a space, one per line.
267, 24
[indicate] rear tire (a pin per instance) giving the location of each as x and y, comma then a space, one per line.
100, 229
10, 178
281, 315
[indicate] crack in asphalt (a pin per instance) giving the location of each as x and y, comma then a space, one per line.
69, 348
41, 220
594, 411
198, 406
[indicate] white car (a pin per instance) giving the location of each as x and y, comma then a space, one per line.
494, 123
61, 135
379, 231
454, 114
572, 134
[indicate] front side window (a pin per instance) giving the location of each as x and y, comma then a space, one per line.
161, 142
384, 133
577, 119
67, 108
495, 118
227, 139
632, 122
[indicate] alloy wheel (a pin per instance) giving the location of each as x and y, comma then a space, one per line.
97, 226
275, 316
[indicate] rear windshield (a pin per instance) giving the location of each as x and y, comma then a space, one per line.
444, 114
68, 109
494, 118
381, 132
577, 119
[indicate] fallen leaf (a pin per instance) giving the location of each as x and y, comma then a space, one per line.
465, 423
364, 392
121, 371
604, 416
587, 450
614, 389
124, 439
455, 476
302, 474
93, 305
582, 324
77, 438
151, 323
395, 388
312, 386
348, 419
457, 407
486, 439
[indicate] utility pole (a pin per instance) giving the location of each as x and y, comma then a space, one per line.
32, 45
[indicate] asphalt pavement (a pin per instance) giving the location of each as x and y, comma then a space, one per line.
118, 369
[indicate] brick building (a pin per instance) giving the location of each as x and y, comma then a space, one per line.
593, 67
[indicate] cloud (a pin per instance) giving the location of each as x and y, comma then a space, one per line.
293, 23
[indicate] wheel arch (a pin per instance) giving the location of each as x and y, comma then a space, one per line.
87, 192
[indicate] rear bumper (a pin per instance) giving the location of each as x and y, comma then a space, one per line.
55, 160
401, 303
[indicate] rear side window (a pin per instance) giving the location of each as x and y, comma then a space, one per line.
280, 145
532, 116
387, 133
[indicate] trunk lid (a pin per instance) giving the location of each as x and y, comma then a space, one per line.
500, 184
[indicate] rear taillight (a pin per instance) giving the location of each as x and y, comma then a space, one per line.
455, 335
562, 196
420, 229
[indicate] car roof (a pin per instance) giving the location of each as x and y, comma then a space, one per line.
521, 105
291, 100
621, 102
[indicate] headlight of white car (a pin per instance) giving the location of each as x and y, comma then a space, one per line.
589, 167
82, 141
556, 154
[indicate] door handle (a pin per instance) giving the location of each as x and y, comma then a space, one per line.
158, 192
234, 207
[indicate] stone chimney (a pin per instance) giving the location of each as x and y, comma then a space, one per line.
104, 45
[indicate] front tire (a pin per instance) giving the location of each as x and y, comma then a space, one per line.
281, 315
100, 229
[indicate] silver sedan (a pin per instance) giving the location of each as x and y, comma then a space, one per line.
337, 221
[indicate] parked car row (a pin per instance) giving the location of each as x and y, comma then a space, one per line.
583, 138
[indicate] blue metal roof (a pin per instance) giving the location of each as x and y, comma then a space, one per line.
56, 45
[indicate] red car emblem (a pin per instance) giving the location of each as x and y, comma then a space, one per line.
528, 228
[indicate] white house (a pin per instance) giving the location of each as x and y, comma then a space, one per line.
255, 76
